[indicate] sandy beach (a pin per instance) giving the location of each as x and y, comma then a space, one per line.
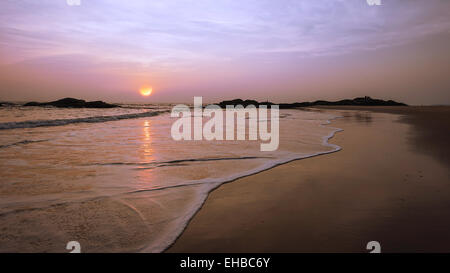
389, 183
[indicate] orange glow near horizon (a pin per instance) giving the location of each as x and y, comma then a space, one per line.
147, 91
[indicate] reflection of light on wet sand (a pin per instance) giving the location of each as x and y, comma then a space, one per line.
146, 142
146, 154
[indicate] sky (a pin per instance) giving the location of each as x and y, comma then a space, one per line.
282, 51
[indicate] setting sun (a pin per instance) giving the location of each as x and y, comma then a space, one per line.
146, 91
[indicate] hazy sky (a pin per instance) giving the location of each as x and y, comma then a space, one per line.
222, 49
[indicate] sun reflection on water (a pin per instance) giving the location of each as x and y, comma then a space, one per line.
147, 142
146, 153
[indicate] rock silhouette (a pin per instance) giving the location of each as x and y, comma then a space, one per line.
73, 103
360, 101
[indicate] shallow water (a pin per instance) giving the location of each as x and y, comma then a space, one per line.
122, 184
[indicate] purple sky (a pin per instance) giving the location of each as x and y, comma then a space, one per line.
263, 49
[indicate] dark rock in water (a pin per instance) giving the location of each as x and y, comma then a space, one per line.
244, 103
368, 101
73, 103
33, 103
68, 102
361, 101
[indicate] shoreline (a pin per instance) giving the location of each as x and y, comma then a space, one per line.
232, 229
325, 142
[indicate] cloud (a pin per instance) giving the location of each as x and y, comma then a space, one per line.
205, 38
165, 31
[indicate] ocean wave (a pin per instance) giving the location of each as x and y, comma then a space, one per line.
61, 122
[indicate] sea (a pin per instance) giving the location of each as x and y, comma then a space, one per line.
115, 180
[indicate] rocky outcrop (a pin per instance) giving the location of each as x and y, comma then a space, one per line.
73, 103
361, 101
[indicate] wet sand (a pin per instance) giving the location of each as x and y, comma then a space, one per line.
389, 183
